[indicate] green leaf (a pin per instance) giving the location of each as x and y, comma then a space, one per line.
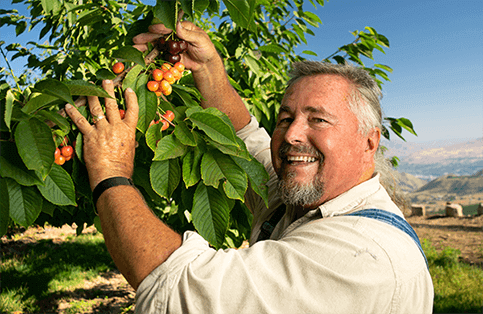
165, 176
11, 166
8, 108
187, 7
274, 48
58, 188
55, 88
25, 203
4, 207
130, 54
191, 167
253, 64
153, 135
213, 125
184, 134
210, 214
216, 166
104, 74
167, 13
169, 147
407, 124
257, 175
55, 117
240, 151
35, 145
184, 96
131, 77
38, 101
83, 88
20, 28
242, 12
309, 52
147, 101
312, 18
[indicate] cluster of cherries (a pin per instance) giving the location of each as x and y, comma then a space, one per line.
165, 76
171, 48
63, 153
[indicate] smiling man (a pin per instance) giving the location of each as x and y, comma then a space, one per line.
331, 239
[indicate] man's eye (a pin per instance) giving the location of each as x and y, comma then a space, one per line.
285, 121
318, 120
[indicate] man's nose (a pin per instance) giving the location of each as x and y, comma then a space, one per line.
296, 132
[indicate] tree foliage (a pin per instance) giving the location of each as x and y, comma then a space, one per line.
193, 175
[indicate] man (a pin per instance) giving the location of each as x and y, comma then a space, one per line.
319, 257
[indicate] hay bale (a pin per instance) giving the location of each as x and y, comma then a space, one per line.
454, 210
418, 210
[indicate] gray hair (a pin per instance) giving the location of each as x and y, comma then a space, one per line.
365, 97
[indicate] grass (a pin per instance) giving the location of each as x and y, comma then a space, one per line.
458, 287
42, 273
37, 276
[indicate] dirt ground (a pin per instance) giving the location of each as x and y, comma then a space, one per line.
114, 295
464, 234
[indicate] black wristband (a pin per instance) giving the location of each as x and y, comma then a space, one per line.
109, 183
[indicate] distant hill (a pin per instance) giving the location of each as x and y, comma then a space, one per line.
451, 184
408, 182
433, 160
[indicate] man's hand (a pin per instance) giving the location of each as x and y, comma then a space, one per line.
201, 50
109, 144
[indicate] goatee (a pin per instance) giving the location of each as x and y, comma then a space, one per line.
293, 192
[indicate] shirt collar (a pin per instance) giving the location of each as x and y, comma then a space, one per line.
349, 200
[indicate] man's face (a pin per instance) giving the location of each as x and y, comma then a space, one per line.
317, 149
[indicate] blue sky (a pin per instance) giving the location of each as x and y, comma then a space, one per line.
436, 50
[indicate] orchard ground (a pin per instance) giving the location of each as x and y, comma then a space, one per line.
110, 293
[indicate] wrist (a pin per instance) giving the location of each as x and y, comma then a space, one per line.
108, 183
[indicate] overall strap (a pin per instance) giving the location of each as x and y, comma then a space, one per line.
269, 225
393, 220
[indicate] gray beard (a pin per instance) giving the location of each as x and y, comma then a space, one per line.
293, 193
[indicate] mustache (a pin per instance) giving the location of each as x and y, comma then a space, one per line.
286, 148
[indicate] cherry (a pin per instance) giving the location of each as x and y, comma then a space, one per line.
118, 67
169, 115
179, 66
157, 74
57, 153
122, 113
165, 67
165, 125
173, 47
168, 91
169, 77
173, 58
67, 151
176, 73
183, 45
60, 160
153, 86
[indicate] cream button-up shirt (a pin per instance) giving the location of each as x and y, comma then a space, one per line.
324, 262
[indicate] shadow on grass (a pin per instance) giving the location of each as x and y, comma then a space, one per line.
39, 272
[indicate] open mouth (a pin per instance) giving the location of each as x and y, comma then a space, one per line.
309, 159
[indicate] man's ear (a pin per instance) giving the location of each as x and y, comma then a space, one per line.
373, 139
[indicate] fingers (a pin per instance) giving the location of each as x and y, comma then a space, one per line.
132, 107
84, 126
112, 110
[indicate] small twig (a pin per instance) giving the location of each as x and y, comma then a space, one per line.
165, 119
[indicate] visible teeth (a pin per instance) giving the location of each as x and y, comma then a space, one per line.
301, 158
